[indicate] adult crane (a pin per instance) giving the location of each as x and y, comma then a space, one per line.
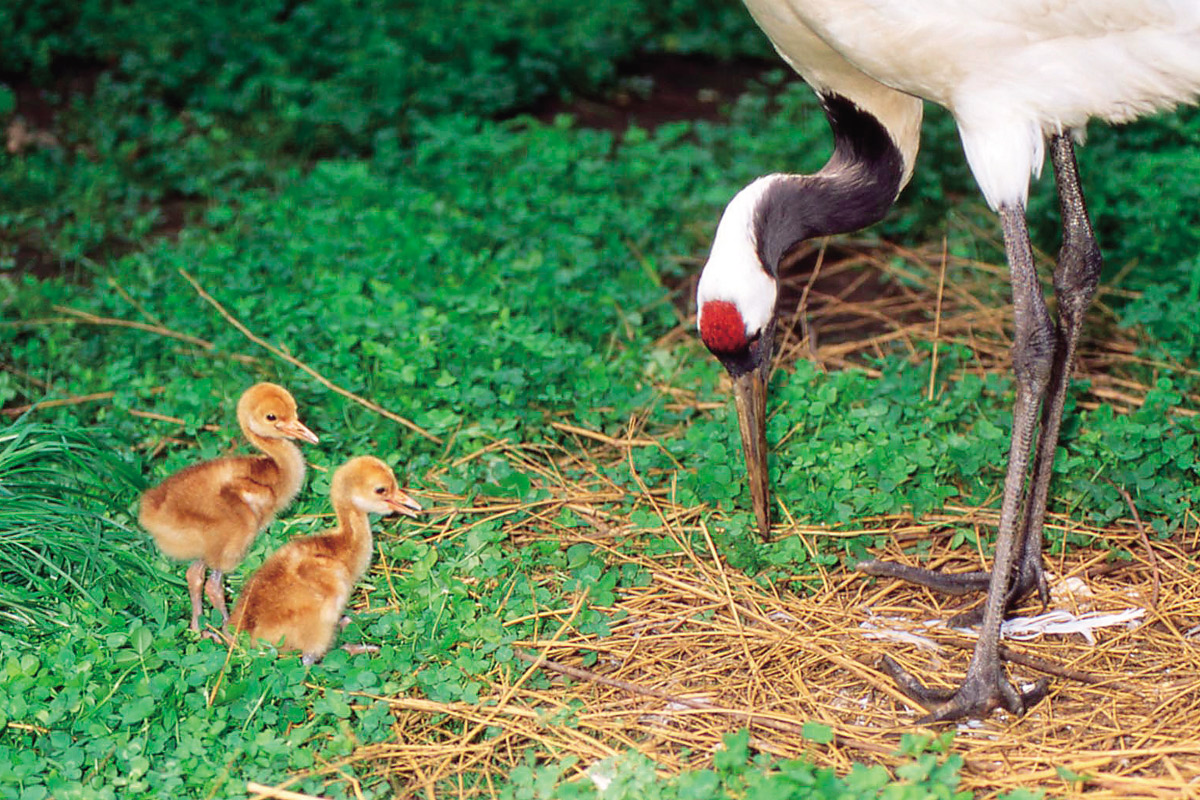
1016, 75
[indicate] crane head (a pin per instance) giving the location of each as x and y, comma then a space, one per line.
747, 358
735, 303
269, 411
370, 485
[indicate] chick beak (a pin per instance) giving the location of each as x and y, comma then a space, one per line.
402, 503
294, 429
750, 399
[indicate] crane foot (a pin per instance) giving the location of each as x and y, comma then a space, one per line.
976, 698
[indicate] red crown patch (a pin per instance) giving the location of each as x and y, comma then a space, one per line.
721, 327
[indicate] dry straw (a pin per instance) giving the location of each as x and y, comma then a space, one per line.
704, 650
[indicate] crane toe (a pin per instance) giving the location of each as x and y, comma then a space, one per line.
976, 698
1031, 575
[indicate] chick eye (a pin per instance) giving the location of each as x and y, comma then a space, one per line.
380, 489
271, 418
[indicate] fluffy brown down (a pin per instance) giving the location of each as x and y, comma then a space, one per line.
296, 598
210, 512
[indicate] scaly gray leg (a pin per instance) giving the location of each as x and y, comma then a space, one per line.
1076, 276
985, 686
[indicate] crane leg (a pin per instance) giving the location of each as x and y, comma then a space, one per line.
985, 686
1076, 276
1043, 358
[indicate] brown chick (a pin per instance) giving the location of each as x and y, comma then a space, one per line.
298, 594
210, 512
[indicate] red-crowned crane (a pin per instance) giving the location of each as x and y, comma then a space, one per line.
1015, 74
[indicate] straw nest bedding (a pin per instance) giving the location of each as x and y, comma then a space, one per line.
703, 651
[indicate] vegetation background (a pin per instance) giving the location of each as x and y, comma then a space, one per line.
413, 202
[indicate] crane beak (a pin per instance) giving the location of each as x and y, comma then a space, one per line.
750, 399
294, 429
403, 504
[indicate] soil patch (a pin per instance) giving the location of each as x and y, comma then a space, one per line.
663, 88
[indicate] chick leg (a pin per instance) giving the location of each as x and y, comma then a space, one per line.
215, 589
195, 582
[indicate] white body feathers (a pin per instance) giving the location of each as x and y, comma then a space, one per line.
1010, 71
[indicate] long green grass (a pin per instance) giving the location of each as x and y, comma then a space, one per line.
67, 548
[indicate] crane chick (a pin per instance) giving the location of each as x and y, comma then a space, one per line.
210, 512
298, 594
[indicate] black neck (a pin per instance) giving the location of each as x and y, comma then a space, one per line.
853, 190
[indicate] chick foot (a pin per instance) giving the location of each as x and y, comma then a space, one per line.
308, 659
359, 649
220, 637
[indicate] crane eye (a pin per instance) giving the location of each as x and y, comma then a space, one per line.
271, 418
380, 490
